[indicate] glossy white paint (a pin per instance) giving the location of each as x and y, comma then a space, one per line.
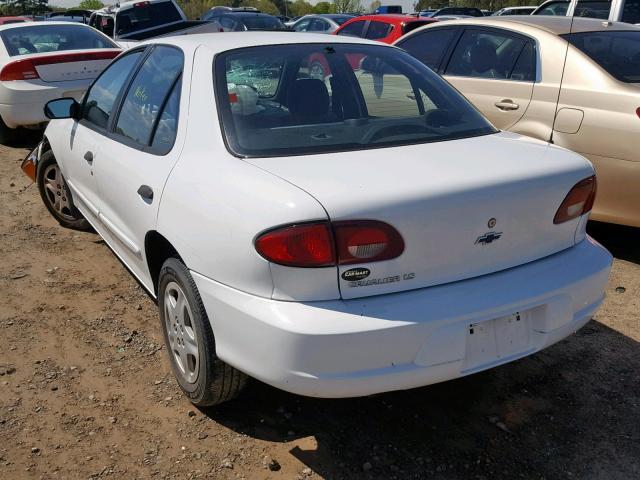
22, 101
303, 330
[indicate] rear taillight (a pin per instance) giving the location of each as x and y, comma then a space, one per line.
25, 69
364, 241
638, 111
322, 244
578, 201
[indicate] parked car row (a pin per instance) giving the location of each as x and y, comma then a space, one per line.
296, 201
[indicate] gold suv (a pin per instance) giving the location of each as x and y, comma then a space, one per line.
574, 83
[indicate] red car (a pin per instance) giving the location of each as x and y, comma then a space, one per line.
8, 20
384, 28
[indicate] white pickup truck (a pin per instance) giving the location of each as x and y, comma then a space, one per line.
130, 22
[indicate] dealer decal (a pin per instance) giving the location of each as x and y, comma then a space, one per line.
356, 274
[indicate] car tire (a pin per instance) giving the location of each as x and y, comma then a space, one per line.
56, 195
203, 377
7, 135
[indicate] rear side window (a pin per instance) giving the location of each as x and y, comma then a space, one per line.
52, 38
616, 52
593, 8
353, 29
101, 97
147, 92
378, 30
631, 11
490, 54
340, 98
429, 46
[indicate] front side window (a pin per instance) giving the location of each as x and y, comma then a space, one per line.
101, 97
52, 38
147, 93
593, 8
302, 25
378, 30
616, 52
342, 97
429, 46
554, 8
353, 29
483, 54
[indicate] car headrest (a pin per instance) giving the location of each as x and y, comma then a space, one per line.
483, 57
308, 97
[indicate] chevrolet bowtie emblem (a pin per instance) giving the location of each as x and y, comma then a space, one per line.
488, 238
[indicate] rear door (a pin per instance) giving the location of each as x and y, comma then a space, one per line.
496, 70
79, 155
138, 154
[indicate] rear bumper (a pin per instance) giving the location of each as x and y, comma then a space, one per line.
404, 340
22, 102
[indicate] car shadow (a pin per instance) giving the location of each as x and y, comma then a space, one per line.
25, 138
623, 242
570, 411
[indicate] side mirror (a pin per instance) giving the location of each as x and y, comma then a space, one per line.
61, 108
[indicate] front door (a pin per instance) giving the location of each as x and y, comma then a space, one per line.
80, 153
495, 70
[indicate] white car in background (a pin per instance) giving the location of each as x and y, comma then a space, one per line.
329, 237
40, 61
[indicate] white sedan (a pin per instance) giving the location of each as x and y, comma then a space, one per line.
43, 61
331, 237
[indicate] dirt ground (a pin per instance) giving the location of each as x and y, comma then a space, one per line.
86, 389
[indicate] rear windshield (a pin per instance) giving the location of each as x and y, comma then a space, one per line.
262, 22
617, 52
145, 15
318, 98
52, 38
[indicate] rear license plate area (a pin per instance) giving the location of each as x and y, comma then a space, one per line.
493, 340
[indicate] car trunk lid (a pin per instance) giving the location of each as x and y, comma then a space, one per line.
464, 208
78, 65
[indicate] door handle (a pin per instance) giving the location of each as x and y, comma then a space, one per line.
146, 192
507, 105
88, 157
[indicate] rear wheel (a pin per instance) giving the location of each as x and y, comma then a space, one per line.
202, 376
56, 195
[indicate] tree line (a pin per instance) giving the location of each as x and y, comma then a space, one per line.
195, 8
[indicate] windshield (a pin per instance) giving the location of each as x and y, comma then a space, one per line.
341, 19
318, 98
262, 22
617, 52
52, 38
145, 15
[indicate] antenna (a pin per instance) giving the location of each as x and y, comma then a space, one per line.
564, 65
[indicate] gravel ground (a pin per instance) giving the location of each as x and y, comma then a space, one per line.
86, 389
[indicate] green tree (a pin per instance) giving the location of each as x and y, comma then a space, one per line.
300, 7
345, 6
265, 6
23, 7
375, 4
91, 4
324, 7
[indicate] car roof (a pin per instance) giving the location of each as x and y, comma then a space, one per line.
46, 24
558, 25
391, 18
224, 41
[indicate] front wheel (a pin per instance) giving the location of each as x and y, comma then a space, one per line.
56, 195
203, 377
